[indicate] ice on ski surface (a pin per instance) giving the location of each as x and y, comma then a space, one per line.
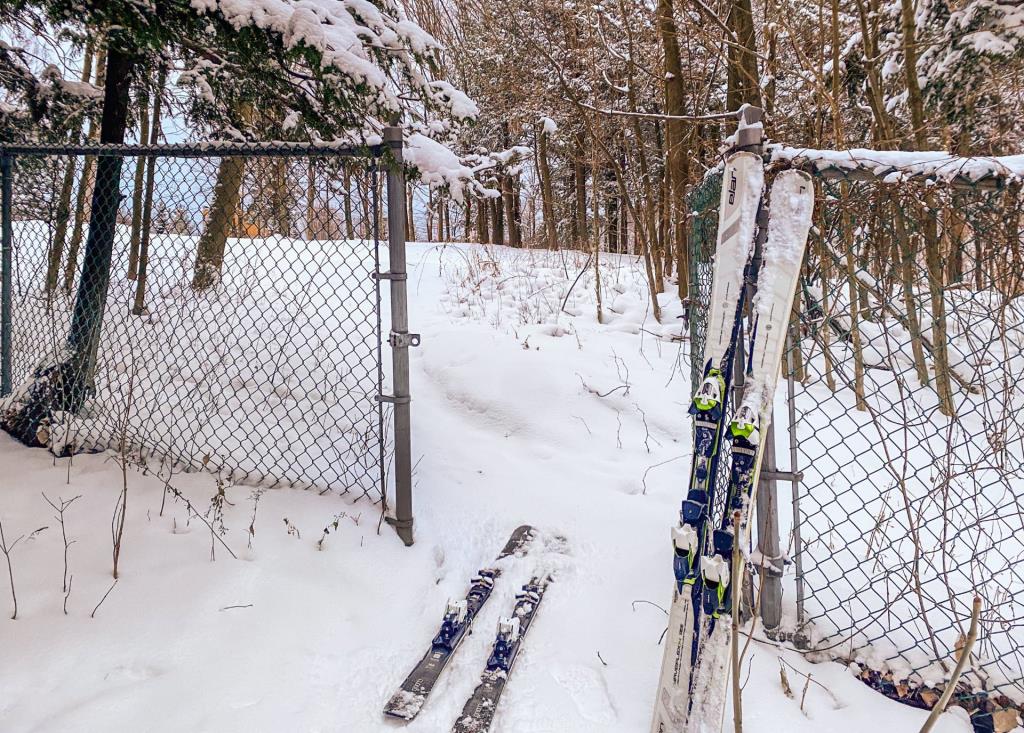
788, 224
522, 413
405, 704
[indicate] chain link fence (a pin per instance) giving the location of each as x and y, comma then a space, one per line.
904, 412
216, 306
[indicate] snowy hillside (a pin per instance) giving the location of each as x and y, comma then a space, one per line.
522, 413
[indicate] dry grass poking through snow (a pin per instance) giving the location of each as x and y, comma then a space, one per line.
509, 288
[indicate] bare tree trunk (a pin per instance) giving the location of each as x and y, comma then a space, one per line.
744, 81
483, 227
677, 161
311, 215
410, 220
936, 289
428, 223
611, 215
580, 183
137, 189
366, 215
852, 294
826, 296
772, 70
882, 129
531, 216
226, 197
280, 209
665, 228
138, 307
623, 225
547, 196
649, 198
346, 202
440, 217
507, 208
85, 187
498, 219
60, 234
907, 259
595, 224
516, 232
915, 101
933, 256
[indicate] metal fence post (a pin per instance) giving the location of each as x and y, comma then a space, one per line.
800, 637
751, 138
399, 338
769, 564
6, 278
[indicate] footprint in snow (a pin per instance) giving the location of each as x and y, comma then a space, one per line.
588, 691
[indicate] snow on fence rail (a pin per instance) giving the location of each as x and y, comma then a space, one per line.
240, 309
906, 366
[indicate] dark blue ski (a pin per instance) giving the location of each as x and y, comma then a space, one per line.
479, 710
455, 626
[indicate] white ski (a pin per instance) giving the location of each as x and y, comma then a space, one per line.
742, 183
789, 222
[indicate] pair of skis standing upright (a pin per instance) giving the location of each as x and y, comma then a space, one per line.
694, 677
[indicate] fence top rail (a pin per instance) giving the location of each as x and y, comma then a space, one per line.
895, 166
206, 149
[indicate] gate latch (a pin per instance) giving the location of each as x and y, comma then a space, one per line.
403, 340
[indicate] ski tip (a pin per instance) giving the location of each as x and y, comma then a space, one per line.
794, 174
744, 155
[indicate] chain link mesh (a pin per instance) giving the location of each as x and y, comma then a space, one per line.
241, 326
909, 432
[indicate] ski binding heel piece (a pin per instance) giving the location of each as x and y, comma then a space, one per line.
744, 424
715, 569
456, 611
709, 395
508, 629
686, 544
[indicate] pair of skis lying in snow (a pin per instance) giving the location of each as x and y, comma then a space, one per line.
694, 674
479, 709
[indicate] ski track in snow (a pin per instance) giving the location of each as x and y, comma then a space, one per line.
509, 427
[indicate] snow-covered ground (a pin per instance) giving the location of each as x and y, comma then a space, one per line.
521, 414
